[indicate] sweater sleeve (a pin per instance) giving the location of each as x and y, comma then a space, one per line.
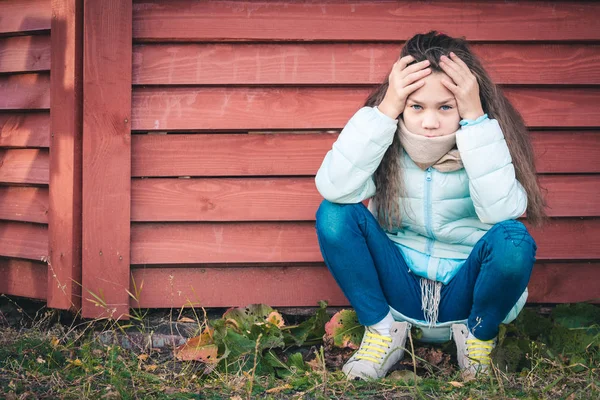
346, 174
495, 191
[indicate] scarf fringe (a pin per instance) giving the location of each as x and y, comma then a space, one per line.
430, 300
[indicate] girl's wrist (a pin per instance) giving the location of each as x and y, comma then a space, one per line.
388, 109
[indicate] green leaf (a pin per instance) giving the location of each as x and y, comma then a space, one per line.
312, 329
576, 315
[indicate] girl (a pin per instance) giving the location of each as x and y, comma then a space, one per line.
447, 164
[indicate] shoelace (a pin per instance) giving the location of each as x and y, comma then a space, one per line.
374, 348
479, 350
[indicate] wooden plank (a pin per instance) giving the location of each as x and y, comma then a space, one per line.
297, 199
347, 63
277, 242
367, 21
25, 92
572, 195
65, 155
228, 287
24, 166
23, 240
251, 108
302, 154
25, 53
26, 204
565, 283
23, 278
25, 129
306, 285
106, 156
24, 16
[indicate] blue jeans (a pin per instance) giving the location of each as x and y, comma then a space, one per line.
371, 271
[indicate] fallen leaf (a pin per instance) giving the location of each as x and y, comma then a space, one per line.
40, 360
199, 348
276, 319
54, 342
185, 319
404, 375
456, 384
279, 389
143, 357
150, 368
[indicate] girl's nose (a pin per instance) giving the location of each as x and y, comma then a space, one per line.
430, 121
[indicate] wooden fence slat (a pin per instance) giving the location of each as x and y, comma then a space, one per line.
347, 63
23, 278
66, 155
280, 242
23, 240
297, 199
106, 156
25, 53
26, 204
24, 16
302, 154
233, 20
25, 91
24, 166
306, 285
251, 108
25, 129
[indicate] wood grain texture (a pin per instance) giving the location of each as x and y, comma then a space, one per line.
25, 92
302, 154
26, 204
305, 285
24, 16
251, 108
281, 242
25, 53
29, 166
106, 156
65, 195
297, 199
363, 21
23, 240
23, 278
347, 63
19, 129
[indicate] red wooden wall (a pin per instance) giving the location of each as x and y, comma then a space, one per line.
205, 122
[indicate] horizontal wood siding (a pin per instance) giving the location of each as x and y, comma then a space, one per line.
24, 146
235, 104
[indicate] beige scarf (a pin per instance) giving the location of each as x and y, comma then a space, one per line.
438, 152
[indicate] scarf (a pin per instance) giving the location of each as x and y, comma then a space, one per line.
438, 152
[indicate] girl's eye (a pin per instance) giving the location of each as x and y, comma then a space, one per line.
416, 107
446, 108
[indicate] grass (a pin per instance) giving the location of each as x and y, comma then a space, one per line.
49, 354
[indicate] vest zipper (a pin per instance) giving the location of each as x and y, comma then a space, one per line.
427, 205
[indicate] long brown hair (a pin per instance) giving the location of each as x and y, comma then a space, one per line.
388, 176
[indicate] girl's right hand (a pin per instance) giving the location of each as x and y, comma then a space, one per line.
403, 81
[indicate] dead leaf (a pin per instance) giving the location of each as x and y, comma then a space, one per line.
199, 348
276, 319
456, 384
40, 360
143, 357
404, 375
236, 397
186, 320
150, 368
279, 389
54, 342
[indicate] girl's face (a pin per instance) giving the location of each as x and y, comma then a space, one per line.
432, 110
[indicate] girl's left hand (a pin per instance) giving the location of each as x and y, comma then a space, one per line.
465, 87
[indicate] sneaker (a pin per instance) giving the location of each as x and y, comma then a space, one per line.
473, 354
377, 353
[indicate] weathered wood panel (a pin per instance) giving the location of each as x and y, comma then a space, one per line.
244, 108
363, 21
302, 154
66, 155
23, 278
24, 16
26, 204
306, 285
29, 166
23, 240
19, 129
297, 199
25, 53
25, 91
347, 63
277, 242
106, 155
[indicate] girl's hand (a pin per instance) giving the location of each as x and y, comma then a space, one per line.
465, 87
403, 81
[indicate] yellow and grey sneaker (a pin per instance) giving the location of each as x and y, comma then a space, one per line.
377, 353
473, 355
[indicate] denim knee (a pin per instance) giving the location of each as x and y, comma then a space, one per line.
333, 221
511, 242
